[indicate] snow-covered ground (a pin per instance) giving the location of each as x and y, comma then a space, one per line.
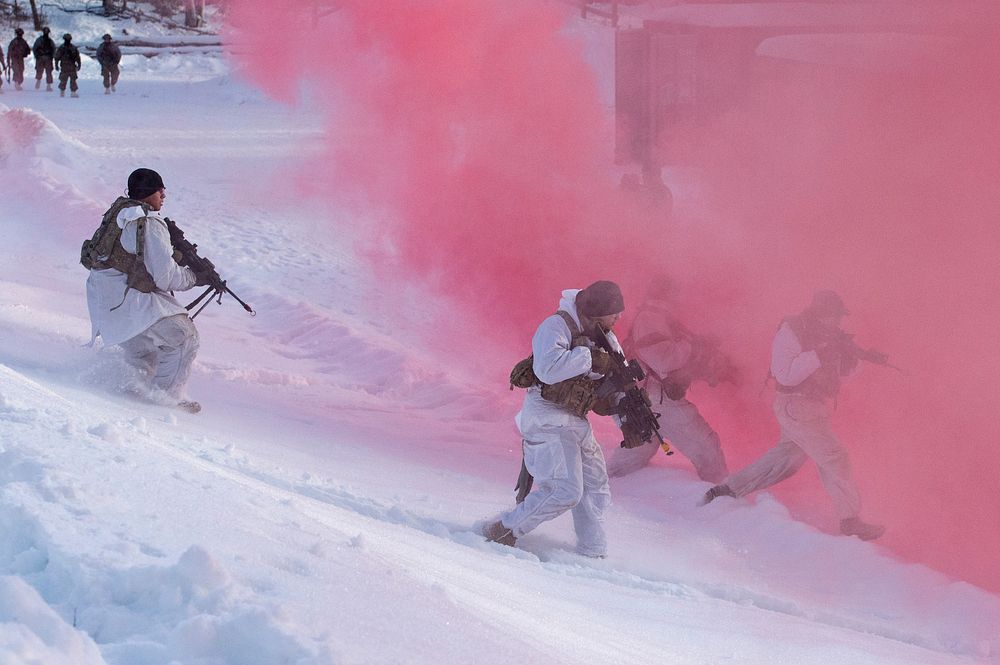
323, 506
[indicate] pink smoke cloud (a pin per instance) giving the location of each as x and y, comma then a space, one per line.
472, 136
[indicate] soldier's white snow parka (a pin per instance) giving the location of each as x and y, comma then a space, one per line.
115, 315
806, 432
153, 329
560, 450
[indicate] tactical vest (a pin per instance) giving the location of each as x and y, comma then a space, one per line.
824, 383
104, 250
576, 394
67, 54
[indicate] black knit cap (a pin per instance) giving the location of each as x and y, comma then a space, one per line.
827, 303
601, 298
143, 183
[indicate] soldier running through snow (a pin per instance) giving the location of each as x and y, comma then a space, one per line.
109, 55
44, 49
673, 358
68, 64
809, 356
559, 447
17, 51
133, 272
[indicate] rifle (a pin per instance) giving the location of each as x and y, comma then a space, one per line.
635, 407
851, 349
186, 254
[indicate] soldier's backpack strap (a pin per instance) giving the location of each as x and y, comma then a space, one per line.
523, 374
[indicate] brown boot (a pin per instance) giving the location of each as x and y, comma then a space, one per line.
714, 493
853, 526
496, 532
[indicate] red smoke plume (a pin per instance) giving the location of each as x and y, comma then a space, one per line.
472, 136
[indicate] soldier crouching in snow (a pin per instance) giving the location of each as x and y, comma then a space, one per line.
560, 450
809, 355
673, 358
132, 272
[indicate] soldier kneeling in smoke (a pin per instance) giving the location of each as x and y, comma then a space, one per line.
132, 272
673, 358
559, 447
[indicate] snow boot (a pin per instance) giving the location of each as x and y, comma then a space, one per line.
496, 532
17, 86
853, 526
48, 87
38, 83
714, 493
107, 91
189, 406
62, 93
73, 94
112, 88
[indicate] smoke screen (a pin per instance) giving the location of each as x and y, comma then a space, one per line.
472, 141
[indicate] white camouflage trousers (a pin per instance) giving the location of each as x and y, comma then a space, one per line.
688, 432
805, 434
570, 474
165, 351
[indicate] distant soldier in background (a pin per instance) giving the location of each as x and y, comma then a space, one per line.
44, 50
109, 55
673, 358
809, 355
17, 51
3, 69
68, 64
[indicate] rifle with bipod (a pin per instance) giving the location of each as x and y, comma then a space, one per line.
186, 254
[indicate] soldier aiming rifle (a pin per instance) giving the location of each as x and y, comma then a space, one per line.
810, 355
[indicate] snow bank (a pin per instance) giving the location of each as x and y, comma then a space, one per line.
57, 604
31, 633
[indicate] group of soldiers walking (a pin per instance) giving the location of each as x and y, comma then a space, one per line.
570, 374
64, 59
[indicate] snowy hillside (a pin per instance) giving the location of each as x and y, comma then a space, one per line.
323, 507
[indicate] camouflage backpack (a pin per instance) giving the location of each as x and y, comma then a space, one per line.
104, 250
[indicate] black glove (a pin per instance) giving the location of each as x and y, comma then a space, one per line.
600, 361
632, 438
674, 391
208, 278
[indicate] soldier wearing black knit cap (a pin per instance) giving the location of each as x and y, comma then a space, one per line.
560, 451
129, 291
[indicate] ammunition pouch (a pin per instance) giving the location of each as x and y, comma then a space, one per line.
574, 395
